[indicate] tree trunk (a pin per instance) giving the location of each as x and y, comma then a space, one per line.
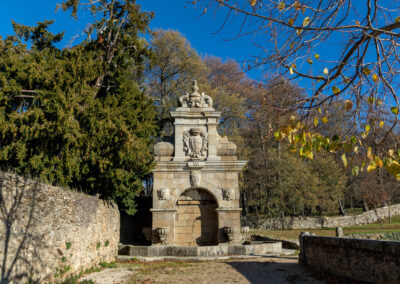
342, 211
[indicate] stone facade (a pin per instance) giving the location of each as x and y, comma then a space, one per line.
367, 261
48, 233
289, 223
196, 189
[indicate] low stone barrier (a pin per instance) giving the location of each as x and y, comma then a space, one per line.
289, 223
369, 261
48, 234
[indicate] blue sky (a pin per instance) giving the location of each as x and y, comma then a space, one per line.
169, 14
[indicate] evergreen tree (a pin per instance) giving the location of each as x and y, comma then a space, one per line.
77, 117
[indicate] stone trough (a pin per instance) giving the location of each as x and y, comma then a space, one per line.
254, 248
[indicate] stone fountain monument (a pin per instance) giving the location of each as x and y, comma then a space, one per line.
196, 189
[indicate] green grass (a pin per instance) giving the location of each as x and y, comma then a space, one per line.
374, 228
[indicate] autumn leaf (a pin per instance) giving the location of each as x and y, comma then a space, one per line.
315, 121
354, 171
394, 110
325, 120
316, 56
367, 127
253, 2
366, 71
348, 105
344, 160
291, 21
381, 124
375, 78
291, 71
397, 20
281, 6
335, 90
306, 21
326, 71
309, 61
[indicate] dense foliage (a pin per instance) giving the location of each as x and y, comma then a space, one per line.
76, 117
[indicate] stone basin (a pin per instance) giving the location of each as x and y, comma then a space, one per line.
253, 248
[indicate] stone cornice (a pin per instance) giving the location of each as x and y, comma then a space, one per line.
215, 166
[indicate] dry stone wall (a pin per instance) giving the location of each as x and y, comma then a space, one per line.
289, 223
48, 233
368, 261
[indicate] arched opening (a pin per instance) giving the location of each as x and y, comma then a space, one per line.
196, 221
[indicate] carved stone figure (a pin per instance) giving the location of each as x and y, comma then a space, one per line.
195, 143
227, 194
163, 193
195, 178
195, 99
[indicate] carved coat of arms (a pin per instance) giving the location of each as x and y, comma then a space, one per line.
195, 143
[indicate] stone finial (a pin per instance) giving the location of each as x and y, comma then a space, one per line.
195, 99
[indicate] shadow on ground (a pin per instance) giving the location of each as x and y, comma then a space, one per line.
284, 270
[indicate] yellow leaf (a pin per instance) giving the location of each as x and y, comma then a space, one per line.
381, 124
371, 167
281, 6
310, 155
315, 121
291, 71
397, 20
253, 2
316, 56
356, 149
297, 6
369, 153
306, 21
344, 159
366, 71
291, 21
292, 44
299, 31
294, 66
371, 100
335, 90
357, 23
319, 110
309, 61
354, 171
395, 110
375, 78
391, 152
205, 10
367, 127
326, 71
325, 120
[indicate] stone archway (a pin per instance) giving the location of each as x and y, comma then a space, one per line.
196, 221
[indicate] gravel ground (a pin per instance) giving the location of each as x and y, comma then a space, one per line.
253, 270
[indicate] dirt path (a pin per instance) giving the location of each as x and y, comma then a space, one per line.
253, 270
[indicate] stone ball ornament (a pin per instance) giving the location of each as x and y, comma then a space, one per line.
164, 149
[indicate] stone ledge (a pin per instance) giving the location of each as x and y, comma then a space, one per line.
202, 251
